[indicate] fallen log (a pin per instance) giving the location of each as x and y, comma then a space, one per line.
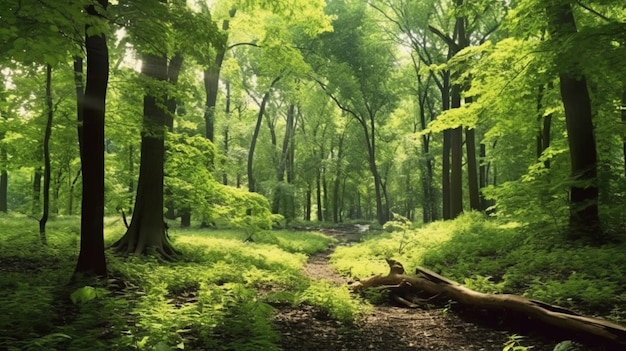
428, 283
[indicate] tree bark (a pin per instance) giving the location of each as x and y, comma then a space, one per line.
337, 180
211, 86
255, 136
80, 99
430, 284
147, 229
584, 219
46, 157
456, 159
91, 259
624, 121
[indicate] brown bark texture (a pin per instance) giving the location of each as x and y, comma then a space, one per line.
428, 283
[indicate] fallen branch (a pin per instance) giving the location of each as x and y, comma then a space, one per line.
429, 283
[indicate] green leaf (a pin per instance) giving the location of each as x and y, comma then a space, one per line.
86, 294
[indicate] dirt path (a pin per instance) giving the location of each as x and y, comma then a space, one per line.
387, 327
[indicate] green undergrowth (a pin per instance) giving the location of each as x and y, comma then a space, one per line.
220, 295
495, 257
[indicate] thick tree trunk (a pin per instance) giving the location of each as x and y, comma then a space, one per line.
584, 219
91, 259
147, 229
408, 289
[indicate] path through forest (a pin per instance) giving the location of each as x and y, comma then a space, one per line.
388, 327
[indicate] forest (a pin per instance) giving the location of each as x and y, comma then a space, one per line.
268, 174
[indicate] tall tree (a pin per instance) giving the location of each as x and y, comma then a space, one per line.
46, 156
584, 219
91, 259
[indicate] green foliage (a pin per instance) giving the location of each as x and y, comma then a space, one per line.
335, 301
498, 257
515, 344
87, 293
217, 297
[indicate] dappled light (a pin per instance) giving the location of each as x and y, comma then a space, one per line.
313, 175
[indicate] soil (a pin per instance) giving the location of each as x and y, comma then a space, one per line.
391, 327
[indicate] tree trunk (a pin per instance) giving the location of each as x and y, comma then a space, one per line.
405, 288
80, 99
447, 140
46, 157
584, 220
281, 197
318, 188
482, 178
147, 229
91, 259
255, 136
36, 200
226, 135
544, 126
337, 180
472, 171
624, 121
4, 177
456, 159
307, 206
211, 86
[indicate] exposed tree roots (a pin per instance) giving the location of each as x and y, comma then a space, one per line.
134, 243
407, 289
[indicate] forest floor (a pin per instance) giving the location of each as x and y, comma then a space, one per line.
388, 327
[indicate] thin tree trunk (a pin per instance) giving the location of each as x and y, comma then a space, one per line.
456, 160
447, 140
46, 157
226, 135
318, 188
307, 206
255, 136
337, 180
91, 259
624, 122
472, 171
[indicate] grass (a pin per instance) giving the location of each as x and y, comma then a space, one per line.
219, 296
498, 257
